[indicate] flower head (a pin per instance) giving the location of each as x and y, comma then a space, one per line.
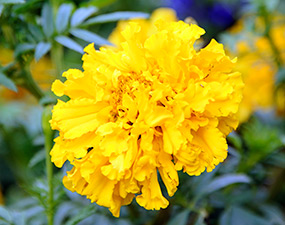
150, 107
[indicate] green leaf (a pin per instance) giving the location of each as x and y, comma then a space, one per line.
113, 17
69, 43
47, 20
42, 48
62, 17
5, 216
238, 216
1, 9
36, 32
181, 218
87, 211
37, 158
224, 181
12, 1
82, 14
101, 3
7, 82
23, 48
89, 37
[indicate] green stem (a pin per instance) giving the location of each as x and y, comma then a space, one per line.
30, 84
267, 34
57, 49
48, 133
57, 58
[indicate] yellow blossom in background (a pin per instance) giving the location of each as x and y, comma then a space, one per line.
148, 108
257, 64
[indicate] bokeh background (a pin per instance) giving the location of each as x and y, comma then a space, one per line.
39, 39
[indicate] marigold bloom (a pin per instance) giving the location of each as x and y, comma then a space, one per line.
148, 108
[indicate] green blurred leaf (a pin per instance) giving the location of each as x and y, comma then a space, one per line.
37, 158
42, 48
62, 17
36, 32
113, 17
5, 216
237, 216
273, 214
280, 76
89, 37
82, 14
87, 211
12, 1
235, 139
101, 3
224, 181
47, 20
7, 82
181, 218
1, 9
23, 48
69, 43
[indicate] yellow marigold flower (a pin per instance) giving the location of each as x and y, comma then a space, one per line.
149, 108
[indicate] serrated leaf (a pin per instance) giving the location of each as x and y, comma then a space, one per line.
84, 213
69, 43
238, 216
7, 82
12, 1
5, 215
89, 37
82, 14
37, 158
47, 20
224, 181
62, 17
42, 48
181, 218
113, 17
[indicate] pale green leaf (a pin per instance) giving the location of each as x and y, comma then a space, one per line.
69, 43
113, 17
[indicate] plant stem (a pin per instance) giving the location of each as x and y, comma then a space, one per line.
57, 58
31, 85
48, 133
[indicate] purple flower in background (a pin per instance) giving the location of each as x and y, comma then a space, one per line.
214, 16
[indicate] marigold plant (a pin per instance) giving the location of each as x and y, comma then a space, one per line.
149, 107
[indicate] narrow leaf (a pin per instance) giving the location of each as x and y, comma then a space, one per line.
69, 43
37, 158
41, 49
237, 216
62, 17
47, 20
223, 181
12, 1
83, 214
7, 82
89, 37
82, 14
113, 17
1, 9
181, 218
23, 48
5, 215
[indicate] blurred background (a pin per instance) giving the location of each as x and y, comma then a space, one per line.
39, 39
